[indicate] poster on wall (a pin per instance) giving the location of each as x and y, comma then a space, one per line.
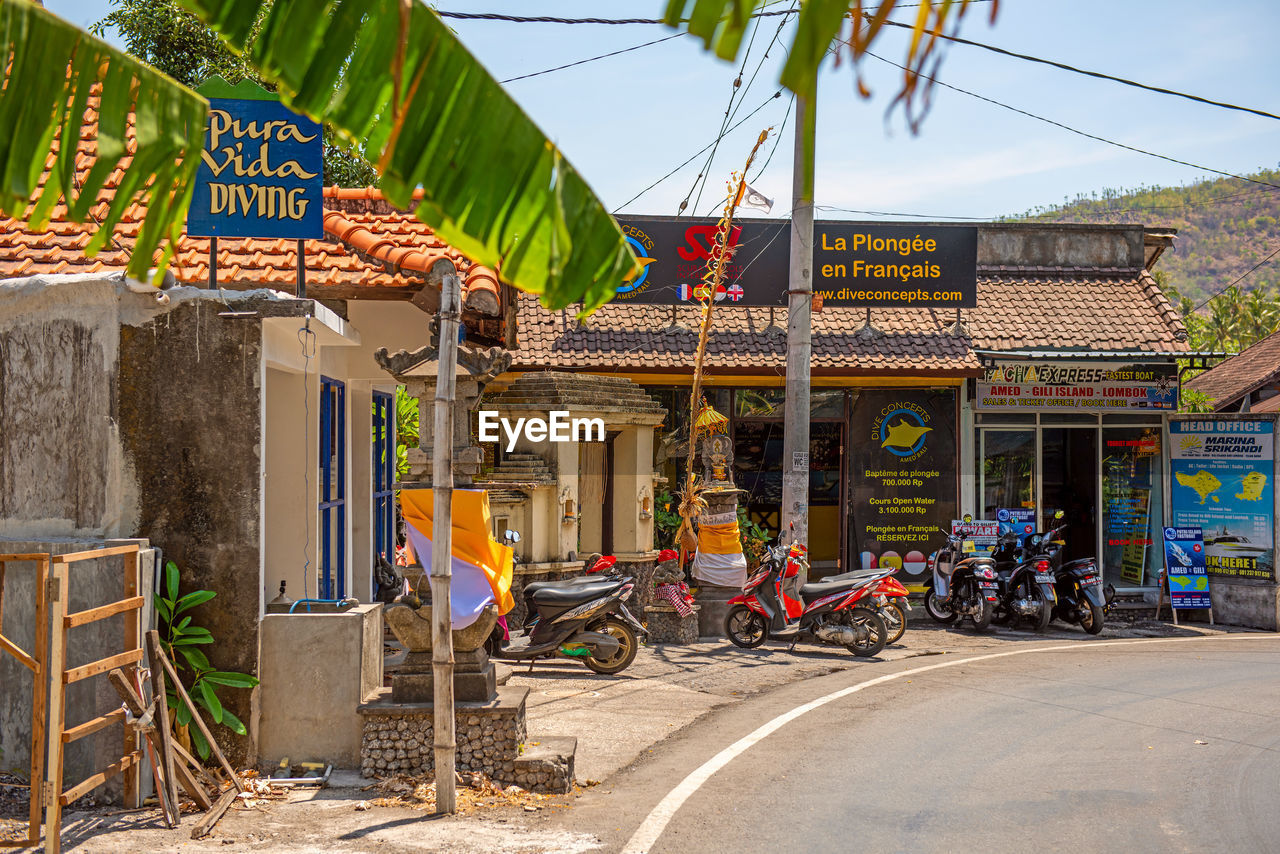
1019, 520
1184, 561
1222, 482
902, 467
980, 534
1039, 385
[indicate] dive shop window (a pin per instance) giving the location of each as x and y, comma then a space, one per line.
1007, 461
1132, 499
384, 474
333, 489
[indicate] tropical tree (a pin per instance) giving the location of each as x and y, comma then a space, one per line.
400, 89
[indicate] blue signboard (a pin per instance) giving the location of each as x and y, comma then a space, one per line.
1185, 568
261, 173
1021, 520
1223, 470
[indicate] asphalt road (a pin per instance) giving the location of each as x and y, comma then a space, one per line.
1120, 746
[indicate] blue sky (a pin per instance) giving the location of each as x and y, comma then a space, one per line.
627, 120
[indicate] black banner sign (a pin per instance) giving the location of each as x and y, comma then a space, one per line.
902, 478
904, 265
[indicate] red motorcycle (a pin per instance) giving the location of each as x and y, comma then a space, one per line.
774, 605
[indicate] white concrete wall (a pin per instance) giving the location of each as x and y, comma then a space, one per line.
290, 489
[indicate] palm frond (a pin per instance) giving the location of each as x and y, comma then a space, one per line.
396, 82
42, 106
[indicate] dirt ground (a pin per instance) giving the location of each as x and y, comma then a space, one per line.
616, 720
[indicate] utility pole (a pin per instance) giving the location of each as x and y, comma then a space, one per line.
795, 437
445, 746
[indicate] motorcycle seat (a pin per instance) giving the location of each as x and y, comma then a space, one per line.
854, 575
553, 593
819, 589
534, 586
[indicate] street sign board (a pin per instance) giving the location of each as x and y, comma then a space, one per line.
261, 171
1185, 568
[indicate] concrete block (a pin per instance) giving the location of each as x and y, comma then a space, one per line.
316, 671
1246, 603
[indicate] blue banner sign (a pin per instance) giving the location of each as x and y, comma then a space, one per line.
1185, 568
261, 173
1021, 520
1223, 470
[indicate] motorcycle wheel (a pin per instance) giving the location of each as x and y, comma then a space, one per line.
877, 634
1041, 619
985, 611
1093, 623
745, 628
936, 610
895, 621
627, 647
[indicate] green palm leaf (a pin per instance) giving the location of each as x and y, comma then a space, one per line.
44, 98
421, 107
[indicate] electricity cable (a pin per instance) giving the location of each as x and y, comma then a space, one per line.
700, 152
1097, 74
1237, 281
1080, 132
593, 58
548, 19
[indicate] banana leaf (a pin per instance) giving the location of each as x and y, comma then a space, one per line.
51, 69
393, 80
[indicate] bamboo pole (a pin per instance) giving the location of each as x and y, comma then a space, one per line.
689, 500
442, 545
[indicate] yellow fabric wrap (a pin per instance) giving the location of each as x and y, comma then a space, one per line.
720, 539
472, 542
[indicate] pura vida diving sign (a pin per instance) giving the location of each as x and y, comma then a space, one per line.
261, 171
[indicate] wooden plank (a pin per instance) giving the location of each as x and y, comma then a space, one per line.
187, 778
24, 558
183, 757
157, 653
54, 667
90, 783
102, 665
89, 727
2, 569
93, 554
212, 817
154, 652
133, 640
133, 700
92, 615
18, 653
38, 716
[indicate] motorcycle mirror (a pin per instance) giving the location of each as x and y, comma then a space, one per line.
968, 517
511, 536
1059, 514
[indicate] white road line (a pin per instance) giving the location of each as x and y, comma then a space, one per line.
656, 822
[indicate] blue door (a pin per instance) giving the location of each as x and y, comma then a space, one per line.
333, 489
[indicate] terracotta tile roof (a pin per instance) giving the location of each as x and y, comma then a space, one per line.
370, 250
1018, 308
635, 337
1250, 370
1087, 308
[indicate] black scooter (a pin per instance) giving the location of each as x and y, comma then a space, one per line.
580, 618
1027, 582
964, 584
1082, 599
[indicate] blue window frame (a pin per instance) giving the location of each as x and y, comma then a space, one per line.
384, 474
333, 489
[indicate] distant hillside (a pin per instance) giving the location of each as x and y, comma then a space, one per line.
1224, 227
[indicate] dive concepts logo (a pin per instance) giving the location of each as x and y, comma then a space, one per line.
682, 272
901, 429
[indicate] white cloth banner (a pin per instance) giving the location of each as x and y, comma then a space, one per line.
722, 570
469, 590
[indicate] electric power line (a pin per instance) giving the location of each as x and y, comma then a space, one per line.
548, 19
1098, 74
1080, 132
1237, 281
593, 58
700, 152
